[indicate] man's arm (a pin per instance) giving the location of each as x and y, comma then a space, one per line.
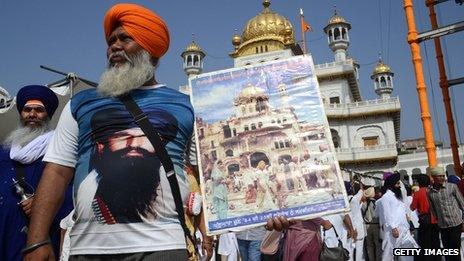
348, 225
49, 196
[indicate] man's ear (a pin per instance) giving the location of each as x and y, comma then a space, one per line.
100, 147
154, 61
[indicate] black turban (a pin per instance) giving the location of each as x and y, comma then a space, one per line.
392, 180
37, 92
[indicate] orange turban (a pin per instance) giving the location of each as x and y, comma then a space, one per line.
147, 28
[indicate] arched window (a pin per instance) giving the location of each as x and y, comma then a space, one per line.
383, 83
253, 126
376, 83
265, 48
196, 60
337, 35
261, 48
344, 34
229, 153
330, 35
246, 128
260, 124
234, 131
260, 105
256, 48
226, 130
189, 60
335, 138
233, 168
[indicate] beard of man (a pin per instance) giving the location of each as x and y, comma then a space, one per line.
127, 185
137, 70
397, 192
24, 134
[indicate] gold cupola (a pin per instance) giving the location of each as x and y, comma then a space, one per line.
266, 32
381, 68
336, 19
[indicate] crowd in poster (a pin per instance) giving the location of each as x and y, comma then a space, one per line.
264, 145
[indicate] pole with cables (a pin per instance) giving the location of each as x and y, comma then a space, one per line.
421, 88
445, 90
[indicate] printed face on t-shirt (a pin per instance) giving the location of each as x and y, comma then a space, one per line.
127, 166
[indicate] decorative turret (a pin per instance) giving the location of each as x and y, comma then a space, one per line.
337, 32
383, 80
193, 59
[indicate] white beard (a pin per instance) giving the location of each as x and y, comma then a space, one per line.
131, 75
22, 135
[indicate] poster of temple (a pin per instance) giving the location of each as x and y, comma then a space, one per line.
264, 145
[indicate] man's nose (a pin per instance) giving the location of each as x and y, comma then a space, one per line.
115, 47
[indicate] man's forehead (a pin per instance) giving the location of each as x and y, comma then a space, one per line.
136, 131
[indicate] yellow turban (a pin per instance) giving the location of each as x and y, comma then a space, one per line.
147, 28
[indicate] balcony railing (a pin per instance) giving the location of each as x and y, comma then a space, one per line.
332, 64
360, 107
367, 152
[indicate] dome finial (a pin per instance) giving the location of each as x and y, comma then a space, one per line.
266, 3
335, 10
380, 57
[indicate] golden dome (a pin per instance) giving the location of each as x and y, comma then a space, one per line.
251, 91
193, 47
336, 19
268, 25
381, 68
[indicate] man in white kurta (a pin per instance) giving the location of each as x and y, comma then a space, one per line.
358, 223
396, 226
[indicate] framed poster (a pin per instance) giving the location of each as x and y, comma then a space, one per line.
264, 145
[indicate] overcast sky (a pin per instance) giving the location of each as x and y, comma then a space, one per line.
68, 35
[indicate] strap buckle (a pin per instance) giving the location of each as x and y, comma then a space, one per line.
140, 117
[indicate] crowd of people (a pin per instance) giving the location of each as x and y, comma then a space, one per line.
101, 177
428, 214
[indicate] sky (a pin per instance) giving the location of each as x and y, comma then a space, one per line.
213, 94
68, 36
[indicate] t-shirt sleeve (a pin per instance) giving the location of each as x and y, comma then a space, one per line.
62, 149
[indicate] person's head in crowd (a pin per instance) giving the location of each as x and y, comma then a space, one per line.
393, 183
369, 192
453, 179
119, 144
423, 181
137, 38
36, 105
438, 175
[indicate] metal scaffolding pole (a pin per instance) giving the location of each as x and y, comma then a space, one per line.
444, 84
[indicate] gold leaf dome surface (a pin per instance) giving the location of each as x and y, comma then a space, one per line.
381, 68
268, 24
336, 19
193, 47
251, 91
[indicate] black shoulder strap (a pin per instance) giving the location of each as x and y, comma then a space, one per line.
142, 120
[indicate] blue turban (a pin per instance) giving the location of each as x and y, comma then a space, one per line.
37, 92
453, 179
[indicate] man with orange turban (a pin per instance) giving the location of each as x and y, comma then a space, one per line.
124, 207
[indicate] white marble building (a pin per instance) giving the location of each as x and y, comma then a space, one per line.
365, 132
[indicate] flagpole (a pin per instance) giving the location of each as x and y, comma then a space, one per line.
302, 30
